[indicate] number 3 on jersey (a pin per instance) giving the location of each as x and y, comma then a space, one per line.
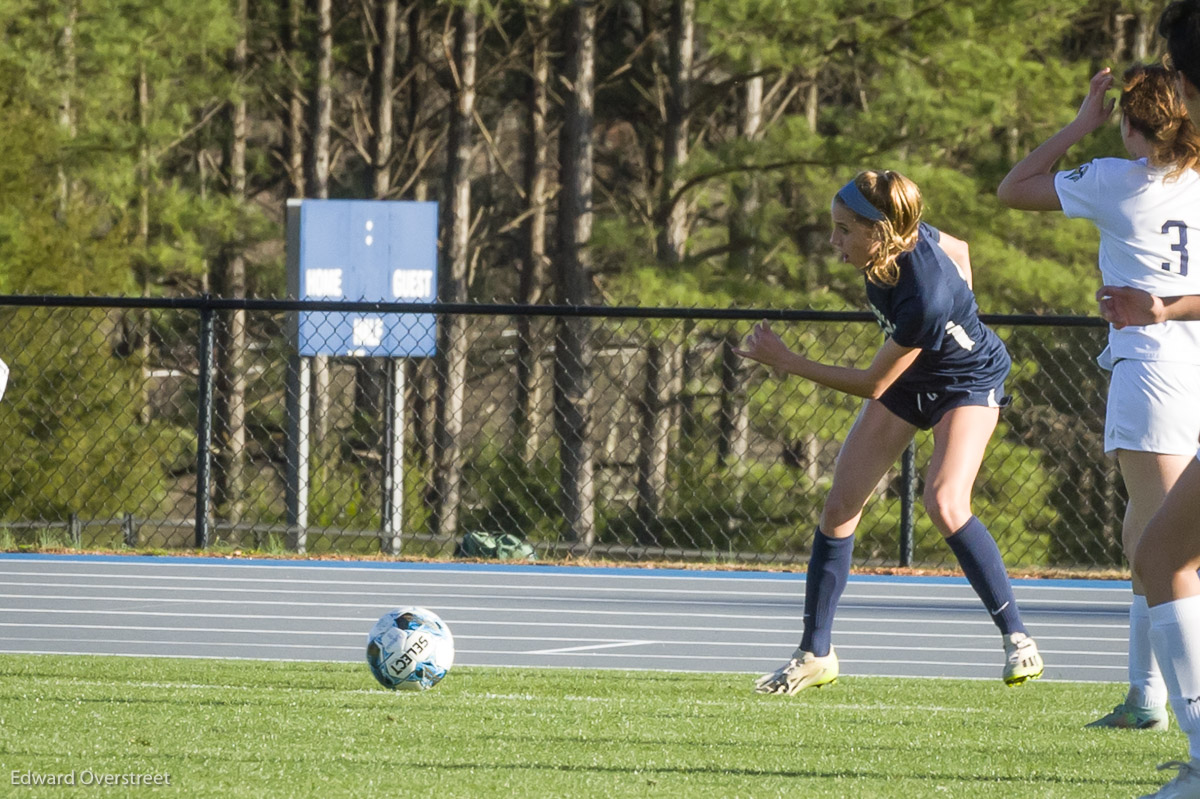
1179, 229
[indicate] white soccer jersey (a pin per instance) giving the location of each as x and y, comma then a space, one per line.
1148, 228
3, 377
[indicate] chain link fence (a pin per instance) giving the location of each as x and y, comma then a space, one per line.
621, 434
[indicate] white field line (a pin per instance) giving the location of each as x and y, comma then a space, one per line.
989, 636
969, 605
938, 594
1116, 680
599, 643
940, 664
565, 650
734, 701
442, 610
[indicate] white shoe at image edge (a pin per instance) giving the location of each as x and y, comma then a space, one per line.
1186, 784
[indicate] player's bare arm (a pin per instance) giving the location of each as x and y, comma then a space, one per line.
765, 346
1029, 186
959, 253
1125, 306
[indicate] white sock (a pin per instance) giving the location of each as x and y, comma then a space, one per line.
1146, 687
1175, 633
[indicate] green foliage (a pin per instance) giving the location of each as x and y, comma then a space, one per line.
80, 446
1084, 497
949, 94
509, 495
727, 511
336, 499
45, 246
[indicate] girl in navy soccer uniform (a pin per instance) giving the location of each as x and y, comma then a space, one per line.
939, 368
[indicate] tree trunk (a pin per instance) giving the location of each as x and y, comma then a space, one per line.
672, 236
371, 375
322, 100
294, 59
572, 353
654, 441
672, 244
451, 360
419, 383
377, 377
231, 334
322, 125
530, 374
142, 324
734, 423
1142, 36
745, 196
382, 87
812, 103
66, 104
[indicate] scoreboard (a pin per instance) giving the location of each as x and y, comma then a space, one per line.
363, 250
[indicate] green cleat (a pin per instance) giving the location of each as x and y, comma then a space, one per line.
804, 670
1126, 717
1021, 659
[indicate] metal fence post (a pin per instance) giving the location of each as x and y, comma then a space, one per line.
908, 493
299, 385
393, 458
129, 531
204, 412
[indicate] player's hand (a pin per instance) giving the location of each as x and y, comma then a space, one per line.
1095, 109
764, 345
1123, 306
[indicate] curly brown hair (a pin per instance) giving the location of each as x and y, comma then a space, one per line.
1153, 108
899, 200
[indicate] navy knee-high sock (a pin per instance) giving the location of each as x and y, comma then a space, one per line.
980, 559
828, 570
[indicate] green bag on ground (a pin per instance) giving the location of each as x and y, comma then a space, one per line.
478, 544
513, 547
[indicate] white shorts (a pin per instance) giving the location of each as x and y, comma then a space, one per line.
3, 377
1152, 408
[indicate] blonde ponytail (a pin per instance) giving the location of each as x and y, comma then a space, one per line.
899, 202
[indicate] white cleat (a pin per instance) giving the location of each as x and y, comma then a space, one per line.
1021, 659
804, 670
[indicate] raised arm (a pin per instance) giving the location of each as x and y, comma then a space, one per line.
765, 346
1029, 186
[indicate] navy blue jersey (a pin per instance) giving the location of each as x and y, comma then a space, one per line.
931, 307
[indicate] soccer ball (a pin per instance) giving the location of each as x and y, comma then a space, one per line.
410, 649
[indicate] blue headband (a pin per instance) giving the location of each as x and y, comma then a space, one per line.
853, 197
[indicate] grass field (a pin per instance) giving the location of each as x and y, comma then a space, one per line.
222, 728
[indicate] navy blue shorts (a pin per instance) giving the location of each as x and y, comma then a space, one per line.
924, 409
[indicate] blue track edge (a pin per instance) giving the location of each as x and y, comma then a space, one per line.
629, 571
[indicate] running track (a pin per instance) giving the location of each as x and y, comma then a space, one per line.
542, 616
